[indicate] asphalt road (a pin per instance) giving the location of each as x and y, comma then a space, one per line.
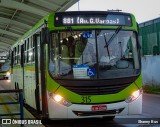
150, 112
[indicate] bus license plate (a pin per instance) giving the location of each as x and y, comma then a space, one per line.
99, 107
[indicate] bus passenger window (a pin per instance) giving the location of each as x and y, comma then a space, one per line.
29, 48
30, 54
27, 51
33, 56
18, 55
25, 48
15, 58
33, 46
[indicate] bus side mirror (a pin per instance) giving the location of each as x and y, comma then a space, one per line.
137, 28
45, 35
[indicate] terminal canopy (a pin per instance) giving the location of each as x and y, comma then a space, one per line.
18, 16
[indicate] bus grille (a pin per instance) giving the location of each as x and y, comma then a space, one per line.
97, 90
90, 113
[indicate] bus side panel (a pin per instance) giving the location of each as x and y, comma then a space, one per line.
29, 85
17, 77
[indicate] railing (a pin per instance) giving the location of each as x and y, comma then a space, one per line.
20, 101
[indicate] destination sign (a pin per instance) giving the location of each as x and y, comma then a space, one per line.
92, 19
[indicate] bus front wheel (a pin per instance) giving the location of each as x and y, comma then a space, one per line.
109, 118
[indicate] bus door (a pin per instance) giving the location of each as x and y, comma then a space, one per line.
36, 41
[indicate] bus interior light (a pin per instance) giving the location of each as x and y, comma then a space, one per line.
134, 95
59, 99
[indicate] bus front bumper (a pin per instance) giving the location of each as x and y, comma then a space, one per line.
59, 111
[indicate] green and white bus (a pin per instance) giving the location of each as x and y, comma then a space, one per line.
80, 65
4, 66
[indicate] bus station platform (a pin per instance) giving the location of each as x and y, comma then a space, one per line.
15, 120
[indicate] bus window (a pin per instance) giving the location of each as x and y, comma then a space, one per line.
25, 44
33, 56
30, 42
79, 51
85, 51
12, 58
30, 55
27, 51
15, 58
30, 50
18, 55
72, 50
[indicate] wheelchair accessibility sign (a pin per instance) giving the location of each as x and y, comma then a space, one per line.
91, 72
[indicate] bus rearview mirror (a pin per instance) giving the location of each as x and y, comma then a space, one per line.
45, 35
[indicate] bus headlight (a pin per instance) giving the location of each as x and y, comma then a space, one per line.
134, 96
59, 99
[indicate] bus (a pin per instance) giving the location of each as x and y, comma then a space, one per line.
80, 64
4, 67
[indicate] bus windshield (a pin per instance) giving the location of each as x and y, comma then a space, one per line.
92, 54
4, 67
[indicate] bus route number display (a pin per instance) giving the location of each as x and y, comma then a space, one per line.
93, 20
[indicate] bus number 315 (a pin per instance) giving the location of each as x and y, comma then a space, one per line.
86, 99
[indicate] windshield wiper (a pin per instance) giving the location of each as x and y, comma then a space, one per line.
70, 30
112, 37
107, 46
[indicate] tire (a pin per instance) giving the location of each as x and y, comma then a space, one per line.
17, 94
109, 118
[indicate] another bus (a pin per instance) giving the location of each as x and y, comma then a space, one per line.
4, 67
79, 65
